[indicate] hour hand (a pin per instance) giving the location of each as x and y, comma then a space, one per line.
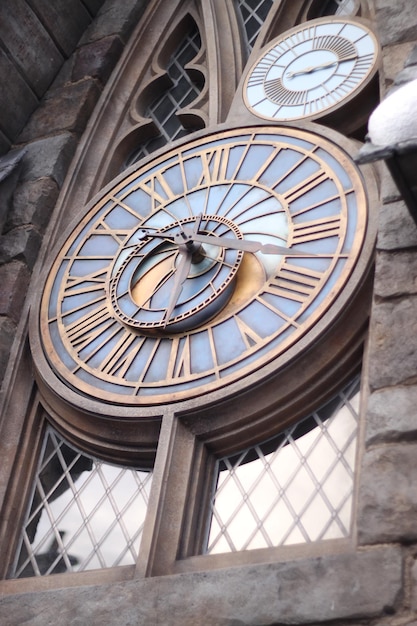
181, 274
245, 244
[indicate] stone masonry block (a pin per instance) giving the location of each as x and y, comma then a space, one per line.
394, 59
115, 18
7, 334
14, 281
33, 203
10, 166
66, 108
343, 586
20, 244
392, 415
396, 22
397, 227
393, 343
412, 58
396, 274
49, 157
389, 190
407, 74
414, 589
387, 506
97, 59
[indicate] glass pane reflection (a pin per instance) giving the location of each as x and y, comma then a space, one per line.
295, 489
253, 13
85, 514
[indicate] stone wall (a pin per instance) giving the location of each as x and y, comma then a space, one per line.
374, 583
53, 30
32, 172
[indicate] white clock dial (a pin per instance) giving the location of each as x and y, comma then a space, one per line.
312, 69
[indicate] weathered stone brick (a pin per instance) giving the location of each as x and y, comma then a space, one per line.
396, 274
33, 203
97, 59
20, 244
14, 281
49, 157
407, 74
66, 108
394, 59
397, 22
115, 17
391, 415
67, 19
7, 333
13, 117
10, 166
389, 191
393, 343
397, 227
412, 58
387, 506
19, 25
414, 589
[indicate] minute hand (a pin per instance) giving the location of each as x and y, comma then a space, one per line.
246, 245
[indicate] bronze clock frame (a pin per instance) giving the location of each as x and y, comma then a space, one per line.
318, 342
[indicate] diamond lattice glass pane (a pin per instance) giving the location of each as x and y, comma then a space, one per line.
295, 489
339, 7
181, 93
253, 14
85, 514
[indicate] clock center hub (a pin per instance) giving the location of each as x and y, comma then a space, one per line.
166, 280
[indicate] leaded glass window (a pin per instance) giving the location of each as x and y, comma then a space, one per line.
84, 514
333, 7
180, 94
295, 489
253, 14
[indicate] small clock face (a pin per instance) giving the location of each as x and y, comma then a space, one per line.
312, 69
203, 266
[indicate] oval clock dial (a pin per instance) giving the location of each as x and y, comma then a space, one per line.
203, 266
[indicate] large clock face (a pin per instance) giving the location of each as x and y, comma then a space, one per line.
202, 267
312, 69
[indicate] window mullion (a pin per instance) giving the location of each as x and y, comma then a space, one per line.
168, 497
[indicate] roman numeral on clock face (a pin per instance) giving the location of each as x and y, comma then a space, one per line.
304, 232
294, 282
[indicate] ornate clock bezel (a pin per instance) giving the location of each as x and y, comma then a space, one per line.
279, 394
360, 96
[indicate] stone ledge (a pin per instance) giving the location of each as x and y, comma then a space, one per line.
345, 586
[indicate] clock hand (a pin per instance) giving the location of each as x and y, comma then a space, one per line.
313, 68
240, 244
180, 278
